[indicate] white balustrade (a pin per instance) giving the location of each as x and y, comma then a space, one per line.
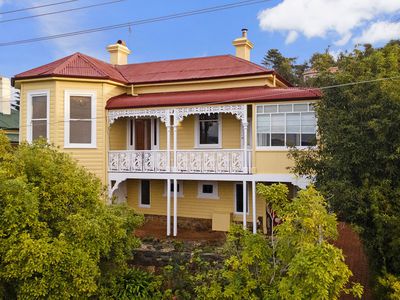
187, 161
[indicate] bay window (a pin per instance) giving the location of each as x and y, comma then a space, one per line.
286, 125
80, 120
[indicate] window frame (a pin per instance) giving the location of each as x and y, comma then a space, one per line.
283, 148
197, 134
30, 95
67, 98
235, 202
179, 194
201, 195
140, 194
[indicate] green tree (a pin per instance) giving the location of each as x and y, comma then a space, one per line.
297, 262
357, 166
58, 240
285, 66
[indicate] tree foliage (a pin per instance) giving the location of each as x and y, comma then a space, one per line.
357, 166
58, 239
297, 262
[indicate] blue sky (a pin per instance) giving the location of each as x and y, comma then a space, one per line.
296, 27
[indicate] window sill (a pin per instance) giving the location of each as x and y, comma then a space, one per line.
80, 146
144, 206
208, 197
208, 146
282, 149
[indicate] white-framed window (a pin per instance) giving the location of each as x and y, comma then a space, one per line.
208, 131
179, 190
238, 198
207, 190
286, 125
38, 111
144, 193
80, 119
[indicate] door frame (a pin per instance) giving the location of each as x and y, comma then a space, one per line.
130, 133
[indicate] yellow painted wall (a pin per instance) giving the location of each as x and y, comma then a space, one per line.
189, 205
93, 159
272, 162
118, 134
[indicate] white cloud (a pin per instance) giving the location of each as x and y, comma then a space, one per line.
323, 18
291, 37
379, 32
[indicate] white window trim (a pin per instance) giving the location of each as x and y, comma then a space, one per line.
140, 195
197, 134
234, 200
281, 148
79, 93
179, 194
29, 127
202, 195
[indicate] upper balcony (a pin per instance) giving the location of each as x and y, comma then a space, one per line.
192, 140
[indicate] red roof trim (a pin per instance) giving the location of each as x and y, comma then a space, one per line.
235, 95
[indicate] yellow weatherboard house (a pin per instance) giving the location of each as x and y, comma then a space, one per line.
181, 139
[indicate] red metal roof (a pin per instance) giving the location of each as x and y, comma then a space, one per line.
190, 69
234, 95
80, 65
77, 65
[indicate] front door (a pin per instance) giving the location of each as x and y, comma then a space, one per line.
142, 134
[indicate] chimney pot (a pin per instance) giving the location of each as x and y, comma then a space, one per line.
244, 32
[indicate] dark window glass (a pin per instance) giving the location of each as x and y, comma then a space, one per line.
292, 139
80, 107
172, 187
239, 199
278, 139
208, 189
80, 132
209, 129
308, 140
39, 129
155, 131
39, 107
145, 192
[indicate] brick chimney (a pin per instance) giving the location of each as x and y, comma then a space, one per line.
5, 96
243, 46
118, 53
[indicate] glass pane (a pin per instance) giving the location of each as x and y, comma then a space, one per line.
39, 129
263, 123
239, 198
270, 108
145, 192
293, 123
300, 107
259, 109
308, 140
278, 123
209, 132
278, 139
292, 139
80, 107
208, 188
208, 117
285, 108
39, 107
80, 132
308, 122
263, 139
312, 106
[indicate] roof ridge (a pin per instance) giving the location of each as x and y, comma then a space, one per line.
65, 62
85, 58
177, 59
250, 62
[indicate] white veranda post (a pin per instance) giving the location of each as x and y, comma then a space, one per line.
168, 207
175, 207
253, 198
244, 204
